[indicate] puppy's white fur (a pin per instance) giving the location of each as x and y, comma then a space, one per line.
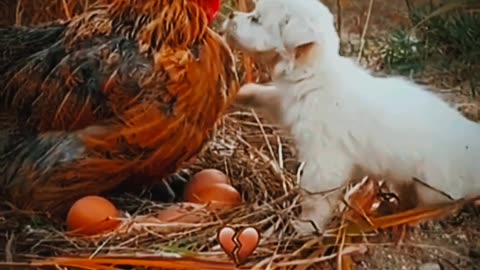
343, 118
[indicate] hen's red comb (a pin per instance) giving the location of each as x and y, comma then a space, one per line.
212, 7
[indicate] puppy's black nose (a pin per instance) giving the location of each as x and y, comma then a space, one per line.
231, 15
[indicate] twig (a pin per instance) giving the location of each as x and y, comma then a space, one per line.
339, 17
8, 247
433, 188
364, 32
409, 6
66, 9
18, 13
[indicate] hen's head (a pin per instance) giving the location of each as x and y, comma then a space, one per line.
211, 7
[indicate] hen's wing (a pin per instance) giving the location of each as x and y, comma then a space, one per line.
81, 120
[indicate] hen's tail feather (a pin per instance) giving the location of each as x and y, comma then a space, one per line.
51, 170
54, 169
18, 43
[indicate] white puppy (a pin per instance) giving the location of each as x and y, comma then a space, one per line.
345, 120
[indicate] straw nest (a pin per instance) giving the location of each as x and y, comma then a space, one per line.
261, 161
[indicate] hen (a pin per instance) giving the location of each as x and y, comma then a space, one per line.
128, 91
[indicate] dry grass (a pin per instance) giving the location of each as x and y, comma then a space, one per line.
261, 161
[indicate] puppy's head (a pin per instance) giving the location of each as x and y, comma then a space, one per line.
285, 27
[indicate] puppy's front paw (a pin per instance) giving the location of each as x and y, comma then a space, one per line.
248, 89
246, 94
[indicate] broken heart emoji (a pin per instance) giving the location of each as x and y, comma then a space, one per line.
238, 245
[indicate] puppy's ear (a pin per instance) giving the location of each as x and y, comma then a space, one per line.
296, 32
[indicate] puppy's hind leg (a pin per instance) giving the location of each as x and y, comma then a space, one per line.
256, 95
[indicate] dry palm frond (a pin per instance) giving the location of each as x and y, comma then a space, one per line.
110, 263
410, 217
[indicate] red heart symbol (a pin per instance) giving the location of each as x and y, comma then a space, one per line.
238, 246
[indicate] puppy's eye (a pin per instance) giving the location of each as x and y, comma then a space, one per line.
255, 19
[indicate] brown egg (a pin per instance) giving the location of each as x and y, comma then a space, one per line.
92, 215
203, 180
218, 195
183, 212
